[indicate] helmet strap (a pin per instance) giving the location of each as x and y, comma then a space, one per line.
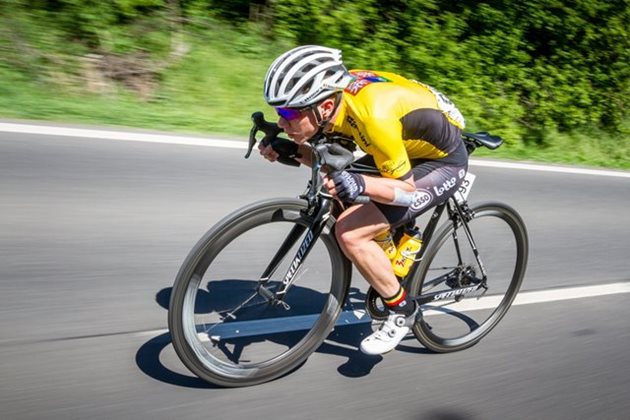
321, 122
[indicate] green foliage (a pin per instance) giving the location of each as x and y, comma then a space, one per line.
103, 26
214, 90
529, 69
548, 75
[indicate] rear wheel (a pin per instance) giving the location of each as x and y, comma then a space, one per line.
455, 322
224, 326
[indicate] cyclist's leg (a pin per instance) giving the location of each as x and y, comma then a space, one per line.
435, 182
355, 230
357, 226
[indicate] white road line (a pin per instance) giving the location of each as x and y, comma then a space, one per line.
545, 168
543, 296
119, 135
236, 144
354, 317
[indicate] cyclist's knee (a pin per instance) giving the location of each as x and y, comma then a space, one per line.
354, 229
345, 233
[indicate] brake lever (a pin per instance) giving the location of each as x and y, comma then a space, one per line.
271, 131
335, 156
252, 140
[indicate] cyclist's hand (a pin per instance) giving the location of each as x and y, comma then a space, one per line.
267, 152
282, 150
345, 185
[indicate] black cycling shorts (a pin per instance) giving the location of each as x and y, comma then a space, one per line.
436, 181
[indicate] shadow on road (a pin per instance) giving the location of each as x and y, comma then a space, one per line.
343, 341
148, 360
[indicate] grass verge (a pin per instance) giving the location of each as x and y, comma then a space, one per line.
218, 85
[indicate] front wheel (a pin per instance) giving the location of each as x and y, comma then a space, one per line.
224, 323
451, 269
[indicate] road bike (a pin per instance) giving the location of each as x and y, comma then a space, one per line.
264, 287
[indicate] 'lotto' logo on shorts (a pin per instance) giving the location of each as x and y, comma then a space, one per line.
421, 199
446, 186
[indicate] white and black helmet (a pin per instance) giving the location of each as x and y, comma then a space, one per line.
305, 75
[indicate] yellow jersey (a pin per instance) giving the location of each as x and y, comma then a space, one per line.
396, 120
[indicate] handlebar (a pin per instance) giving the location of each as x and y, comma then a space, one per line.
269, 128
332, 155
271, 131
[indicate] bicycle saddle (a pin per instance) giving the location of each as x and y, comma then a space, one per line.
484, 139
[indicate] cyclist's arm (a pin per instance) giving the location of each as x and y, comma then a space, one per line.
306, 152
388, 190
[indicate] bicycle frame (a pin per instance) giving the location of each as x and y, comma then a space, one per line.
319, 211
317, 214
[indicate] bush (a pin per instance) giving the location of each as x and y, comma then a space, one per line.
527, 68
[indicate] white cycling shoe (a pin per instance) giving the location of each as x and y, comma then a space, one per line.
389, 335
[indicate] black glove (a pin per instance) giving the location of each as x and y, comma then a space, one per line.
348, 185
287, 151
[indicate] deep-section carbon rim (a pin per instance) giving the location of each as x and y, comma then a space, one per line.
227, 333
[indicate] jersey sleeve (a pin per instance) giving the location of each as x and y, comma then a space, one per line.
387, 147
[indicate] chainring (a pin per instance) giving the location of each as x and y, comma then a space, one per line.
375, 306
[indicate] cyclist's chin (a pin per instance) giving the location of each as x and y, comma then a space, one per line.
298, 138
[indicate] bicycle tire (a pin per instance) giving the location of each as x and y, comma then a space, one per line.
191, 305
461, 322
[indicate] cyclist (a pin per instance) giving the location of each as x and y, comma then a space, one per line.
410, 131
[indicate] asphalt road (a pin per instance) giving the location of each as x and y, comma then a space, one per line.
92, 233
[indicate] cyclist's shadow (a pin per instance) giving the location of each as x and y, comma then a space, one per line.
342, 341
